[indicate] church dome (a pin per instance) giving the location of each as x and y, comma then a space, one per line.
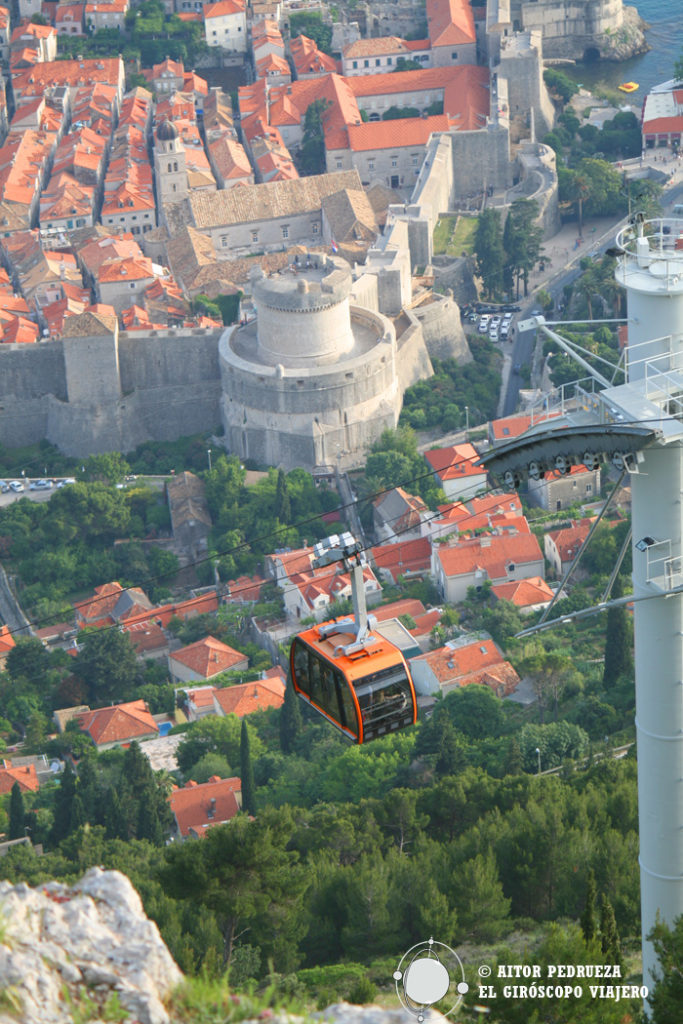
166, 132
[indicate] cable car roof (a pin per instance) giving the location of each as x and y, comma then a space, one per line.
375, 657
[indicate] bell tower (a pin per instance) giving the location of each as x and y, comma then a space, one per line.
170, 166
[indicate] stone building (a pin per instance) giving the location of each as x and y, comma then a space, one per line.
312, 378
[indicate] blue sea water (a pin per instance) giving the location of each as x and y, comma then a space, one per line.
665, 37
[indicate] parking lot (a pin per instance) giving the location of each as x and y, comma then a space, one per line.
7, 497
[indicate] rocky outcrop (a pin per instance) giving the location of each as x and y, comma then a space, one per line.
67, 952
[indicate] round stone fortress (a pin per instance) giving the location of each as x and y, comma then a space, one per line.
312, 379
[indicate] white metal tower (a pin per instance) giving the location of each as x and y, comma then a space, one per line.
638, 425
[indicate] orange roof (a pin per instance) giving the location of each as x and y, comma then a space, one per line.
479, 662
569, 539
116, 270
245, 588
404, 131
25, 776
209, 657
455, 462
555, 474
450, 22
246, 698
199, 807
35, 80
663, 125
524, 593
406, 556
223, 8
478, 512
308, 59
492, 554
119, 723
7, 641
512, 426
405, 606
20, 331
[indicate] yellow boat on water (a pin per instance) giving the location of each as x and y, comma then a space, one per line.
628, 86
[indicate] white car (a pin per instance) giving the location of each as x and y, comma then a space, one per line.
39, 485
68, 480
484, 324
16, 486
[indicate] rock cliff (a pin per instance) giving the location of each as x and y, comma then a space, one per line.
68, 952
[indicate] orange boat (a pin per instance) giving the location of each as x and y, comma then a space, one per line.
628, 86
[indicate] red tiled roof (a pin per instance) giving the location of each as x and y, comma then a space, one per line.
524, 593
374, 47
403, 131
223, 8
7, 641
555, 474
118, 723
245, 588
406, 556
569, 539
209, 657
199, 807
24, 775
246, 698
492, 554
455, 462
450, 22
480, 662
512, 426
405, 606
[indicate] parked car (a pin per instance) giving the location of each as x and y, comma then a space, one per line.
484, 324
67, 480
16, 486
39, 485
4, 487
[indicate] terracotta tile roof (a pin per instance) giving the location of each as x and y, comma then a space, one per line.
223, 8
524, 593
554, 474
25, 776
405, 606
476, 513
201, 697
20, 331
245, 588
35, 80
246, 698
209, 657
119, 723
455, 462
308, 59
288, 562
512, 426
111, 603
276, 672
199, 807
7, 641
450, 22
569, 539
491, 554
406, 556
146, 637
480, 662
131, 269
382, 45
401, 132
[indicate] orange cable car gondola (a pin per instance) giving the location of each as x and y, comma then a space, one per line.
346, 671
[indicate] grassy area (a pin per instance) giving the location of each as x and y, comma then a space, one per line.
454, 235
443, 232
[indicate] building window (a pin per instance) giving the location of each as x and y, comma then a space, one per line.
254, 236
339, 165
371, 165
390, 60
394, 161
174, 188
315, 227
224, 241
415, 158
175, 165
454, 55
366, 63
285, 231
377, 62
132, 284
355, 64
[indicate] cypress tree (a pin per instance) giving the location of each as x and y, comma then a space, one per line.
247, 772
116, 826
514, 764
17, 816
609, 936
78, 817
588, 923
618, 658
283, 506
63, 804
290, 719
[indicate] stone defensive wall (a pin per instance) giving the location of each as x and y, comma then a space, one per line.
582, 29
169, 386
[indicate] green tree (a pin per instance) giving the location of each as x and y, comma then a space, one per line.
609, 935
666, 998
63, 804
290, 720
589, 925
488, 252
107, 665
17, 815
283, 508
247, 772
523, 248
109, 468
312, 153
618, 641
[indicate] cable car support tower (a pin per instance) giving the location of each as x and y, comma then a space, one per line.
637, 425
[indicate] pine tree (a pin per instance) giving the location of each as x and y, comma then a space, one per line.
609, 936
514, 764
78, 817
148, 824
290, 719
618, 658
17, 816
588, 923
247, 772
451, 757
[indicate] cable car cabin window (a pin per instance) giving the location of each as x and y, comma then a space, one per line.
325, 687
301, 669
386, 701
